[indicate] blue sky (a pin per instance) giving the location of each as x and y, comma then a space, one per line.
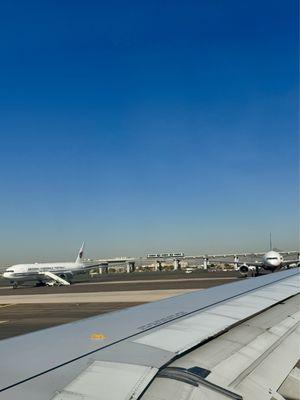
147, 126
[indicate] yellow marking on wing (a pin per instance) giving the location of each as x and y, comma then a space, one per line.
97, 336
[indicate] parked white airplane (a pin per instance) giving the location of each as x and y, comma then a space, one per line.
47, 273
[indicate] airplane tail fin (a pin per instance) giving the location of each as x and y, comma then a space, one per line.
271, 245
80, 254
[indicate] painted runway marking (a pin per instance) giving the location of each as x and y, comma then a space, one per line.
157, 280
95, 297
3, 322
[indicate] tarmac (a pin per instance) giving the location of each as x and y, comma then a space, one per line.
93, 297
29, 308
17, 319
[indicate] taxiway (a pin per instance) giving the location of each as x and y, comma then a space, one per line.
28, 308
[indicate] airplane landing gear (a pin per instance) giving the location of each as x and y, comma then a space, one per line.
52, 283
40, 283
15, 285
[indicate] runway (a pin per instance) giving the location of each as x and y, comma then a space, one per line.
93, 297
129, 282
17, 319
29, 308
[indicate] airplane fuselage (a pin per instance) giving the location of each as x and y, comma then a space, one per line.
34, 272
272, 260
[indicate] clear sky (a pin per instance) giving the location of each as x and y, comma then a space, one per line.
147, 126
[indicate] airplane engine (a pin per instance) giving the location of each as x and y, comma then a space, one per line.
66, 276
244, 269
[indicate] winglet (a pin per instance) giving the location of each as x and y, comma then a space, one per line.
80, 255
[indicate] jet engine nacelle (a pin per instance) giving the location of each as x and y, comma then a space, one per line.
67, 276
244, 269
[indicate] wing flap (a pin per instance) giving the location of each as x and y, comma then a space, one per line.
118, 381
191, 331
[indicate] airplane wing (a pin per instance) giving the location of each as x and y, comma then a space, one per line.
235, 341
290, 262
238, 263
103, 263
